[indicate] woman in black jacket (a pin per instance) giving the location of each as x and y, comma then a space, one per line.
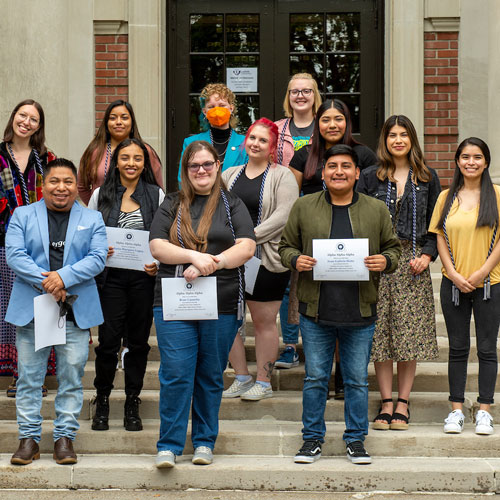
128, 199
406, 327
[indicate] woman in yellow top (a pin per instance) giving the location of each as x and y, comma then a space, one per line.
465, 219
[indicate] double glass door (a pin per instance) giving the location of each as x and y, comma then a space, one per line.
254, 47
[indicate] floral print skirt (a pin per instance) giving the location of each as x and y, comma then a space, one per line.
406, 324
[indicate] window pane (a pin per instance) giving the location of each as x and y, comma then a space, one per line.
342, 73
242, 61
242, 33
207, 33
205, 69
194, 115
352, 102
308, 64
248, 111
306, 32
342, 32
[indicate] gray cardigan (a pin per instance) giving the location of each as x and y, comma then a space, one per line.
280, 192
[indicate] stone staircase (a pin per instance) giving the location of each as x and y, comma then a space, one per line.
257, 440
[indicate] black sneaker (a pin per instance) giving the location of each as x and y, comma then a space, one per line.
357, 454
309, 453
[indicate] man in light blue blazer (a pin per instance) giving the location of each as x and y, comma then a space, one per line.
54, 246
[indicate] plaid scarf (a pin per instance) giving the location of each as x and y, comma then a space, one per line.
11, 192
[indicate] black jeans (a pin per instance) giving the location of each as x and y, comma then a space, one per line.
127, 305
487, 320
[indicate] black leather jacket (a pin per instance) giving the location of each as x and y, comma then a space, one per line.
427, 194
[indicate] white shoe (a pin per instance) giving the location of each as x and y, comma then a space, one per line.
237, 388
165, 459
203, 456
258, 392
454, 424
484, 423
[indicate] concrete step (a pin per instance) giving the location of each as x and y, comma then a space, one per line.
256, 473
431, 377
269, 437
426, 407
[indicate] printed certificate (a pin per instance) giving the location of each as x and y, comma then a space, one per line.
194, 300
341, 259
131, 248
251, 270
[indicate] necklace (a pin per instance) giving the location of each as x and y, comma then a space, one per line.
223, 154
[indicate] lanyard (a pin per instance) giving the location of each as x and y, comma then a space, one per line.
455, 292
261, 197
178, 270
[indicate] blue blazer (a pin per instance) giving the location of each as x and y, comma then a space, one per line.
27, 252
235, 153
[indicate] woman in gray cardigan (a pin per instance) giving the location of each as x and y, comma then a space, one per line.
268, 191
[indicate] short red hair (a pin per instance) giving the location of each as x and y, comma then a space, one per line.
273, 135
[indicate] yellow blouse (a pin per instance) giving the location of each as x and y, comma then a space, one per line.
468, 243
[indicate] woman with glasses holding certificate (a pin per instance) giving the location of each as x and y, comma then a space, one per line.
200, 233
128, 199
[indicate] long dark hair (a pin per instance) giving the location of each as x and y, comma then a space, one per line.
107, 192
37, 140
318, 142
488, 209
195, 240
387, 167
92, 156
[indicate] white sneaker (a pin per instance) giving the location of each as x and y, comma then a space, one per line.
258, 392
165, 459
237, 388
454, 424
484, 423
203, 456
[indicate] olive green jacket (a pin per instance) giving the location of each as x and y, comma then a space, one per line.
311, 218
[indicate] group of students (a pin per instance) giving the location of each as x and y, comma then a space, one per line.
267, 195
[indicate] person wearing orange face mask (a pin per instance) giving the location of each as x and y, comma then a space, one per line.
218, 105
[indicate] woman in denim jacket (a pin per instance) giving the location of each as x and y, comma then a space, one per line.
406, 327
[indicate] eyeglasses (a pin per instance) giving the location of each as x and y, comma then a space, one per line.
33, 121
304, 92
207, 166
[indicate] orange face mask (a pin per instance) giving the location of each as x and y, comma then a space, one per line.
218, 116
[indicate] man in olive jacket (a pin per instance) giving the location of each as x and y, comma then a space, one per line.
337, 310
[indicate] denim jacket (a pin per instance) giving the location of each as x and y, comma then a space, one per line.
427, 193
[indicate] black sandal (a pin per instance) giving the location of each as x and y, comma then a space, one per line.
401, 426
386, 417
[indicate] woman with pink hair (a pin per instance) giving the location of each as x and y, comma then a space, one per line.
268, 190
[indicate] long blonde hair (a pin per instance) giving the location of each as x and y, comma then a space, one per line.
191, 239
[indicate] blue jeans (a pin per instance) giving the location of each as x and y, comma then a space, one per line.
193, 359
289, 331
71, 358
355, 344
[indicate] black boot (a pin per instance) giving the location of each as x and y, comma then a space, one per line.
132, 421
101, 415
339, 383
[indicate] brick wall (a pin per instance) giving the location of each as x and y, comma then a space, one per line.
441, 102
111, 72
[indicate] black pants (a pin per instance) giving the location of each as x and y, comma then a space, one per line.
487, 320
127, 305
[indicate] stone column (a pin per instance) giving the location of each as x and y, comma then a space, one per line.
47, 55
404, 61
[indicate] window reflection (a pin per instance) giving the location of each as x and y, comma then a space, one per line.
306, 32
207, 34
342, 32
242, 33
